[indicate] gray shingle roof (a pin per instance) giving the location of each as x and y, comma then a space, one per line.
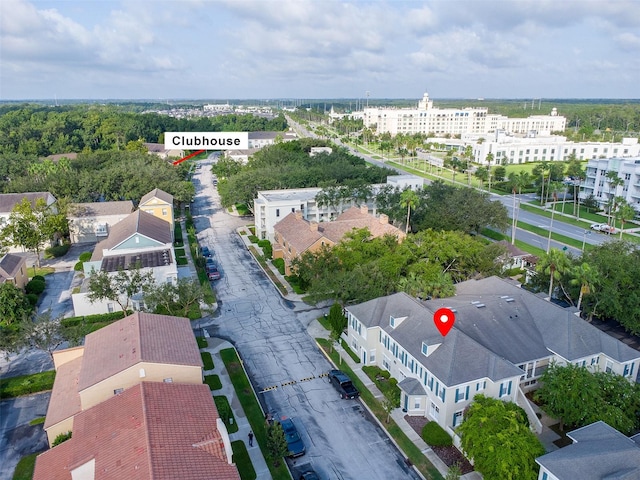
520, 329
138, 222
457, 360
9, 200
96, 209
412, 386
600, 452
9, 265
156, 192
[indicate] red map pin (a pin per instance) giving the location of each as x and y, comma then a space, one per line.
444, 319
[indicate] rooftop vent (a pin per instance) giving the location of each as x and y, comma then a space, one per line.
480, 305
510, 300
475, 302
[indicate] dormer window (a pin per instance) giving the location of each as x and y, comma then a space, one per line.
392, 321
425, 349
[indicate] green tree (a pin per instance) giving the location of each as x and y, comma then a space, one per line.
624, 213
553, 264
408, 200
578, 397
337, 322
584, 277
174, 299
14, 306
119, 287
496, 435
30, 226
499, 173
277, 447
42, 332
482, 174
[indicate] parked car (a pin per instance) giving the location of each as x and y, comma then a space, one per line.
343, 384
310, 475
294, 442
213, 274
603, 227
206, 252
210, 265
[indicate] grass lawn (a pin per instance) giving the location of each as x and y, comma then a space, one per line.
252, 410
225, 412
26, 384
242, 460
202, 342
213, 381
242, 209
40, 271
37, 421
414, 454
525, 247
25, 467
207, 360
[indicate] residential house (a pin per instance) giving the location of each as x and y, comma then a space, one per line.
241, 156
294, 235
318, 150
91, 222
140, 347
502, 341
141, 239
262, 139
150, 431
9, 200
271, 206
160, 150
598, 452
13, 269
158, 203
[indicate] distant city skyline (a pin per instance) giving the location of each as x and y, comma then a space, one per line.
312, 49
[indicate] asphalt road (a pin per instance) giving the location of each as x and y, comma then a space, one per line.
271, 336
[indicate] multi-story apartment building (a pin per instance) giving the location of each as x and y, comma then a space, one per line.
455, 121
502, 341
598, 185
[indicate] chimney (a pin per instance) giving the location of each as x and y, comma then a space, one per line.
364, 209
298, 214
313, 226
384, 219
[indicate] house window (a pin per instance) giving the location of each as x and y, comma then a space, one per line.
392, 321
118, 391
277, 212
167, 380
608, 366
431, 383
434, 411
385, 363
372, 356
505, 389
595, 360
110, 307
545, 476
425, 348
462, 394
481, 386
417, 403
457, 418
628, 370
442, 392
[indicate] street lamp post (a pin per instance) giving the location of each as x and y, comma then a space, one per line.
584, 238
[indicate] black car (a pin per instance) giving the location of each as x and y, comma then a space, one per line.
310, 475
294, 442
206, 252
343, 384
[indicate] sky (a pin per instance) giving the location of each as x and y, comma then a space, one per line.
313, 49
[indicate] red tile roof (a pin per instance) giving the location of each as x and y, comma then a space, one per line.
141, 337
159, 431
65, 399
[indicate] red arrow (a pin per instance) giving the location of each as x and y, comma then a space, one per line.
188, 157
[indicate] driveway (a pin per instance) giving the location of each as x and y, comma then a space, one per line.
270, 335
17, 437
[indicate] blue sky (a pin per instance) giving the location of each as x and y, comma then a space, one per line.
225, 49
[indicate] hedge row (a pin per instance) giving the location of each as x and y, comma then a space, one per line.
99, 318
26, 384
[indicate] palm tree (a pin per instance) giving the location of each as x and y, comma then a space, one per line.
615, 182
624, 213
554, 264
586, 277
489, 159
408, 199
482, 174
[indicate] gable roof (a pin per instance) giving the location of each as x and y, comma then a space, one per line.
140, 337
10, 264
159, 431
157, 193
65, 398
97, 209
137, 222
10, 200
599, 452
457, 358
519, 325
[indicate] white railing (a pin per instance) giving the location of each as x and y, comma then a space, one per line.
523, 401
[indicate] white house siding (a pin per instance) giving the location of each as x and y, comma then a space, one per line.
597, 184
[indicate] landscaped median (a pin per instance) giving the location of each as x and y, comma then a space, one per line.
26, 384
413, 453
252, 410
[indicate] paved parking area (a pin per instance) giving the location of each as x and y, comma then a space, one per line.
270, 334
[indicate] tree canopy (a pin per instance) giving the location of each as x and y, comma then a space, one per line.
496, 435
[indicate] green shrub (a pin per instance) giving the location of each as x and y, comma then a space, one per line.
207, 360
351, 353
35, 286
40, 278
26, 466
85, 256
72, 321
182, 261
225, 412
202, 342
26, 384
105, 317
58, 250
279, 264
63, 437
213, 381
387, 385
177, 232
78, 266
253, 239
434, 435
33, 299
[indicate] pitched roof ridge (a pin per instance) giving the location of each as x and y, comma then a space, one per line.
146, 429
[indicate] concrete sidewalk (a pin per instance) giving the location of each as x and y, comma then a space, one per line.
258, 461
